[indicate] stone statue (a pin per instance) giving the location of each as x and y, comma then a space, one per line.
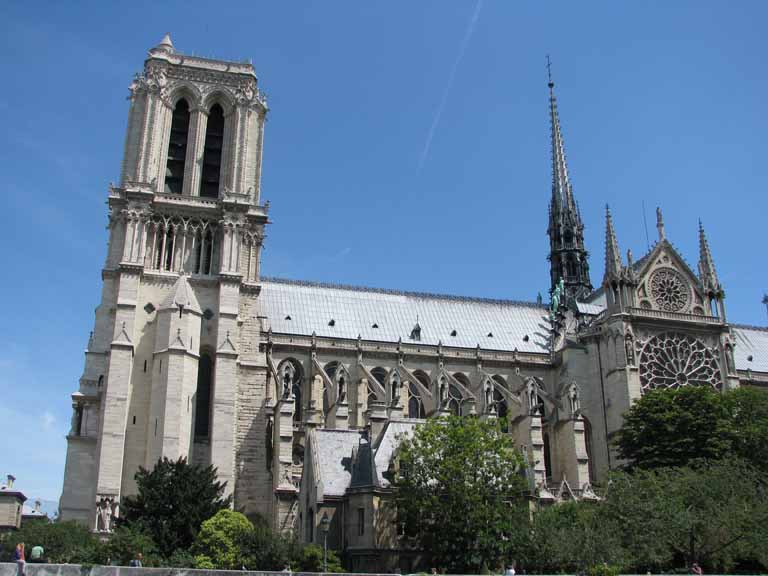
341, 383
443, 392
104, 510
488, 397
288, 373
573, 398
561, 287
395, 384
629, 349
533, 397
729, 359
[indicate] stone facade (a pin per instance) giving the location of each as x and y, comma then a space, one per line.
298, 392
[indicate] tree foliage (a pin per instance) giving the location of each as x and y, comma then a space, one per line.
63, 542
668, 428
172, 501
222, 538
460, 492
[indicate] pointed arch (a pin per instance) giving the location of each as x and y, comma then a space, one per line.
212, 153
177, 147
203, 395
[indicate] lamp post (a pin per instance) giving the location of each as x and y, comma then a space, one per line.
325, 524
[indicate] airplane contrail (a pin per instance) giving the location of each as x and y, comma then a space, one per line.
443, 100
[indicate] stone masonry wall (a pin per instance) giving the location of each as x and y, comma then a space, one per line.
253, 480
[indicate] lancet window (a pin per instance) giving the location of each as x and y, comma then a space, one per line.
415, 403
203, 396
180, 245
214, 140
177, 148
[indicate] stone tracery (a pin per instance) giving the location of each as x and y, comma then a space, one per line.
669, 290
672, 360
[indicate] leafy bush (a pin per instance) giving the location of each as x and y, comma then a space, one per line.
222, 539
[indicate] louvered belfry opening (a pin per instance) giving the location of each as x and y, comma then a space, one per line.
177, 148
214, 140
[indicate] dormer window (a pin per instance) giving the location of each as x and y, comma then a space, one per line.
416, 332
177, 148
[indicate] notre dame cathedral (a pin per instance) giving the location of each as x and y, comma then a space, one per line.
299, 393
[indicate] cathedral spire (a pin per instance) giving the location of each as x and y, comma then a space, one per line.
707, 272
568, 255
613, 264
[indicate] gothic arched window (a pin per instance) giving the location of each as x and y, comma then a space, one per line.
203, 396
415, 404
214, 141
177, 148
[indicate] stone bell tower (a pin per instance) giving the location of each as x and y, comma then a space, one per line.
185, 232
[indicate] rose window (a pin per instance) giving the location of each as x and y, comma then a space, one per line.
669, 290
672, 360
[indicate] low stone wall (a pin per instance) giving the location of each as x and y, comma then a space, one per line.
9, 569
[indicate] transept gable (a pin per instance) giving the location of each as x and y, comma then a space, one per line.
665, 282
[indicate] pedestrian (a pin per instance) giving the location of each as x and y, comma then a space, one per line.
21, 563
510, 571
136, 562
36, 554
696, 569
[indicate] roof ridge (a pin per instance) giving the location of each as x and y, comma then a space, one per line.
749, 327
396, 292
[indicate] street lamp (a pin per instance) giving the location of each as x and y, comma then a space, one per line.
325, 525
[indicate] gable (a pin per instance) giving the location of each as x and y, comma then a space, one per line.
667, 283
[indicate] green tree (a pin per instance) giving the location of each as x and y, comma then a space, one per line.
461, 492
748, 410
63, 542
222, 539
714, 514
311, 560
667, 428
172, 501
572, 537
266, 550
126, 542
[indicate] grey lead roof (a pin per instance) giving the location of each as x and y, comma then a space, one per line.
395, 432
334, 459
751, 341
346, 312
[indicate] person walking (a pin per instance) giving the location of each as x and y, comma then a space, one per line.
21, 563
696, 569
136, 562
36, 554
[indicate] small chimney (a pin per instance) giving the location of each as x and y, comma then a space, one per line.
38, 504
11, 480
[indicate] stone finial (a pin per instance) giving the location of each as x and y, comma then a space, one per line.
660, 224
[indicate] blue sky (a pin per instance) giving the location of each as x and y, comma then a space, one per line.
407, 147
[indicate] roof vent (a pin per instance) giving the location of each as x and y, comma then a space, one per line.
453, 332
526, 338
490, 334
749, 358
288, 317
375, 325
332, 322
416, 332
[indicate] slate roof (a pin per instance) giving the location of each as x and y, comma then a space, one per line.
345, 311
333, 458
395, 432
750, 341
